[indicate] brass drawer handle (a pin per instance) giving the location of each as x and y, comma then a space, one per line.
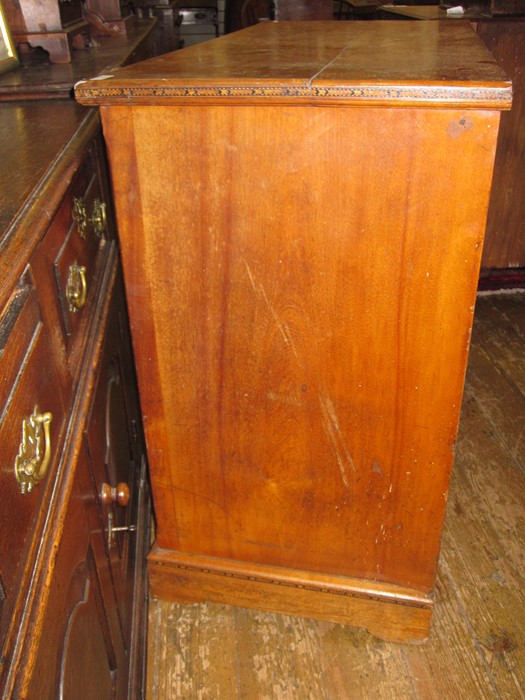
76, 288
34, 453
80, 216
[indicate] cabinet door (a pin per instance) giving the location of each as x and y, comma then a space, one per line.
92, 632
116, 455
80, 653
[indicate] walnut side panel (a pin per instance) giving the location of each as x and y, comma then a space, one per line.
301, 289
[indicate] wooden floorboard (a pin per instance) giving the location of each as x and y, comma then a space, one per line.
477, 643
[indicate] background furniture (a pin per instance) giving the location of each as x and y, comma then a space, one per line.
505, 236
38, 78
504, 36
245, 13
59, 26
53, 25
426, 12
75, 511
253, 10
303, 9
356, 9
301, 309
200, 21
166, 34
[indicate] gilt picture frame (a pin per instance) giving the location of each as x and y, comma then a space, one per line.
8, 57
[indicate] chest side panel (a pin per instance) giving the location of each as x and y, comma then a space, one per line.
301, 285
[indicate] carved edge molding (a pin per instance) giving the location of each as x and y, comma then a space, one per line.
474, 96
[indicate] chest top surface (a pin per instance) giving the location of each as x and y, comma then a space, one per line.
385, 63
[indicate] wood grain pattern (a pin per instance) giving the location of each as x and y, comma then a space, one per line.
478, 631
286, 62
301, 303
282, 297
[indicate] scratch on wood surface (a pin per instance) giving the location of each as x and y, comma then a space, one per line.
324, 67
281, 325
283, 398
248, 270
335, 437
516, 448
201, 497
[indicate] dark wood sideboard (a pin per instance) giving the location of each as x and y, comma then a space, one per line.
301, 290
299, 10
39, 79
504, 36
505, 236
75, 511
61, 27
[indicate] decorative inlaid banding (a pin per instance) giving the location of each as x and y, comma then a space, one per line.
435, 95
379, 596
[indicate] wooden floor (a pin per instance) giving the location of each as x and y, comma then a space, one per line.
477, 645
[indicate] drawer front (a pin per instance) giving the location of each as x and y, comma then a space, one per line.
32, 419
69, 261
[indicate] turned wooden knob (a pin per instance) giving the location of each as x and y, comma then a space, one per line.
118, 494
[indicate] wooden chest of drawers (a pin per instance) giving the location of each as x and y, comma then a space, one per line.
74, 514
301, 286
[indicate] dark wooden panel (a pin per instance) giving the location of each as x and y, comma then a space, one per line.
33, 391
68, 263
116, 450
64, 632
505, 235
303, 9
82, 653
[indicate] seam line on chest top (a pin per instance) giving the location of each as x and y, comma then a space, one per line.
321, 70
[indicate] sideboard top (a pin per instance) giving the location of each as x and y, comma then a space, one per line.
377, 62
